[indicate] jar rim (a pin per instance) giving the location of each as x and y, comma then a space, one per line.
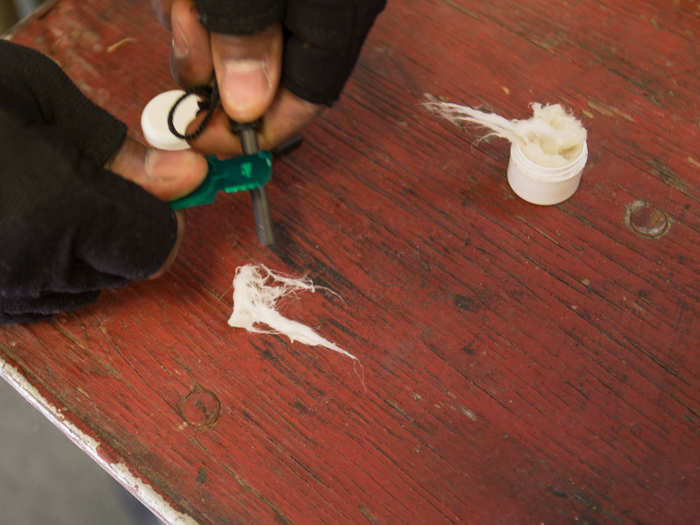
550, 174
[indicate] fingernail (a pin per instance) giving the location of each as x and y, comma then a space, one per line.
246, 82
180, 46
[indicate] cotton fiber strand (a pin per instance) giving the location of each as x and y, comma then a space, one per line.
551, 137
256, 291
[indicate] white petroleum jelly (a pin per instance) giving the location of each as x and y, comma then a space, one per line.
552, 137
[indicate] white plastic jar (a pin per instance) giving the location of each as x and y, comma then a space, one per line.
541, 185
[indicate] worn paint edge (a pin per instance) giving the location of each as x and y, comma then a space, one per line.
38, 12
119, 471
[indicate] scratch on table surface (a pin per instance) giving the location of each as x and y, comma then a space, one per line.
119, 471
609, 111
117, 45
471, 415
83, 392
67, 335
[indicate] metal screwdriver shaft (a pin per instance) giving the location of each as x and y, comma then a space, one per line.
261, 206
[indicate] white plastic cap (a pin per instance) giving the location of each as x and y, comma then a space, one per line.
154, 120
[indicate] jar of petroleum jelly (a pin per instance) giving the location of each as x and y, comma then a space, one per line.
544, 185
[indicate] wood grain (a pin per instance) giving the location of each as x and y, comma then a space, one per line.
520, 364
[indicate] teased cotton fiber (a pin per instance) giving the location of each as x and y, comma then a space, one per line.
551, 138
256, 292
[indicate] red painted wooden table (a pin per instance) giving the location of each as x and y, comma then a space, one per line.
520, 364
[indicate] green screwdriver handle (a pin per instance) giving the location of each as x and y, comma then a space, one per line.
231, 175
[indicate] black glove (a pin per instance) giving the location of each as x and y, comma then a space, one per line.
68, 226
322, 38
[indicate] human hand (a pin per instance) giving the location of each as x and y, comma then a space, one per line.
81, 205
282, 60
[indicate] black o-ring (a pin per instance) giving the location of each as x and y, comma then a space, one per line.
210, 103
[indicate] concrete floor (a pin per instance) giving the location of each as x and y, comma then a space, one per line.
46, 480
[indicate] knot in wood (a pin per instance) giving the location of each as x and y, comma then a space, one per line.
646, 220
200, 408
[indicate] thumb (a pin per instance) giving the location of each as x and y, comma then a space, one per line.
166, 174
248, 69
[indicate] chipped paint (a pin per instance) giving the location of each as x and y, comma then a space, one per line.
117, 45
609, 111
119, 471
37, 13
83, 392
471, 415
667, 175
600, 108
